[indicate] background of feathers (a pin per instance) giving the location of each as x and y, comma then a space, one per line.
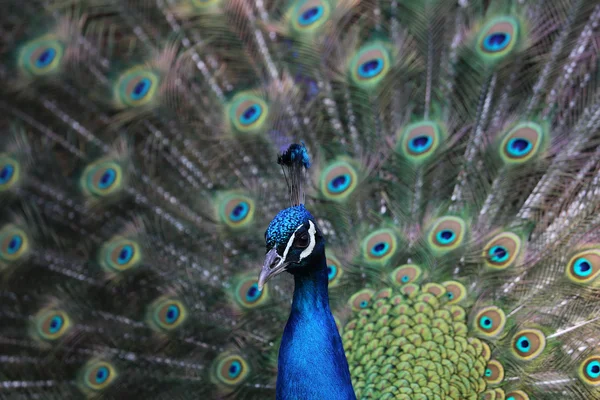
139, 139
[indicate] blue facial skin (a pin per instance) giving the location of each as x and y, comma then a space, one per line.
312, 363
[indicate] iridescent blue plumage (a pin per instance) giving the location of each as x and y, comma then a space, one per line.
284, 224
312, 363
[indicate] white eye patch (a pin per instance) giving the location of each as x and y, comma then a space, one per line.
311, 245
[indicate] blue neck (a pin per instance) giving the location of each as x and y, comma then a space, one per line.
312, 363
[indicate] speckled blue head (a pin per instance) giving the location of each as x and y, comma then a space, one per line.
284, 224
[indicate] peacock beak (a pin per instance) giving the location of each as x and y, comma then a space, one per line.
273, 265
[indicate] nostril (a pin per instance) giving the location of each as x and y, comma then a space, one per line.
275, 261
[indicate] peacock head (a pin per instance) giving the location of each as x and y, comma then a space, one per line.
293, 242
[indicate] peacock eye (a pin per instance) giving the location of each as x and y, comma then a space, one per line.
136, 86
231, 369
52, 324
247, 112
370, 65
490, 321
522, 143
98, 375
167, 314
302, 241
42, 56
527, 344
589, 371
9, 172
247, 294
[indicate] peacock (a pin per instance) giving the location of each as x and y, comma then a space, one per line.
300, 199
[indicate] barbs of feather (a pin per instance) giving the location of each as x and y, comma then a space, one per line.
296, 160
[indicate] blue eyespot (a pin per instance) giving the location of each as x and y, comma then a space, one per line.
593, 370
251, 114
172, 314
235, 369
6, 173
485, 322
364, 304
511, 398
253, 293
582, 267
498, 254
339, 183
496, 41
445, 236
370, 68
45, 58
125, 254
107, 179
15, 244
239, 212
102, 375
331, 272
519, 147
56, 323
380, 249
405, 278
311, 15
488, 372
523, 344
450, 295
420, 144
141, 89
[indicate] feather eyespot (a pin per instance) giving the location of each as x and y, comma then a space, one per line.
247, 294
334, 271
102, 178
490, 321
502, 250
230, 370
584, 267
380, 246
52, 324
136, 86
419, 141
589, 371
405, 274
498, 38
528, 344
517, 395
14, 243
494, 372
361, 299
447, 234
338, 180
521, 143
455, 291
248, 112
42, 56
9, 172
309, 15
370, 65
167, 314
120, 254
97, 375
236, 210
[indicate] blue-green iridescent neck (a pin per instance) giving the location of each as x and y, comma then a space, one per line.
284, 224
